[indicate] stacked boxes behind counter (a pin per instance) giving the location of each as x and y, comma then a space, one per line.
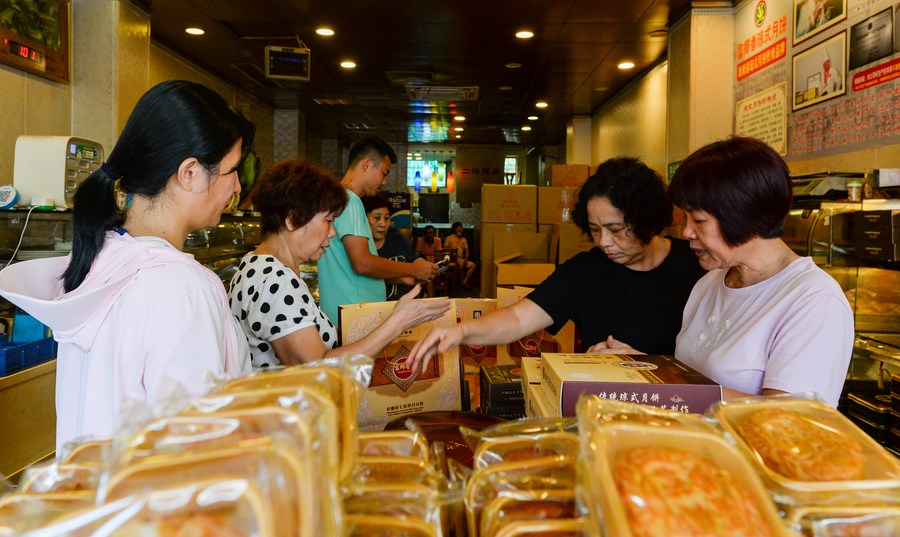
504, 209
501, 391
571, 175
877, 234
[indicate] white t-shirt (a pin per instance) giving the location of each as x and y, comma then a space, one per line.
792, 332
270, 302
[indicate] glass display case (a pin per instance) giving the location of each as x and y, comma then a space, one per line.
835, 235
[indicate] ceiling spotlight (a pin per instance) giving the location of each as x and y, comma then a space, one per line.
408, 157
459, 118
526, 128
458, 136
524, 34
513, 65
504, 88
541, 104
347, 64
626, 65
532, 118
418, 157
195, 31
659, 33
458, 129
325, 31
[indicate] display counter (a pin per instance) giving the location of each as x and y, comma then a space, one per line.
27, 418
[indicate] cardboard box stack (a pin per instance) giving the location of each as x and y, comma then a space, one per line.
572, 175
501, 391
505, 209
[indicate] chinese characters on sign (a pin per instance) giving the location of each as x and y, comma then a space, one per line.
763, 38
643, 398
764, 116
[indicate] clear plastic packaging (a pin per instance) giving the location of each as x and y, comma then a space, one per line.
386, 526
59, 477
526, 505
883, 521
395, 443
303, 419
285, 491
21, 512
650, 480
594, 412
510, 478
808, 453
87, 450
342, 380
525, 447
551, 528
221, 507
399, 500
384, 470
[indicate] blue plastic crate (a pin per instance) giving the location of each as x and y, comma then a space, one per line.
17, 356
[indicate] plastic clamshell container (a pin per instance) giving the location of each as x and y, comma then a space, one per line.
573, 527
222, 507
615, 440
17, 356
400, 500
371, 525
881, 521
88, 451
21, 511
394, 443
337, 385
59, 477
527, 505
525, 447
371, 470
881, 476
484, 485
276, 472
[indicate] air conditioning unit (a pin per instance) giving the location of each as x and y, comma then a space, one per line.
287, 63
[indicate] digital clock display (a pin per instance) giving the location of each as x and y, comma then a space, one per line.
24, 51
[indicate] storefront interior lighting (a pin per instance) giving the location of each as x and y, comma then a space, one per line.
195, 31
347, 64
532, 118
328, 32
541, 104
458, 129
459, 118
526, 128
524, 34
626, 66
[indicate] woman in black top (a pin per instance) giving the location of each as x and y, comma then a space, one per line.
633, 281
390, 245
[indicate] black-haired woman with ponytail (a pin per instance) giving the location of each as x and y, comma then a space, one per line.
135, 317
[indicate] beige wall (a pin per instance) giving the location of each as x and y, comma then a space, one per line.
633, 123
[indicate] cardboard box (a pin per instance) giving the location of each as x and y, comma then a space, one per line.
571, 242
395, 390
569, 174
507, 412
536, 403
475, 356
556, 203
656, 380
509, 271
509, 203
491, 232
531, 372
501, 386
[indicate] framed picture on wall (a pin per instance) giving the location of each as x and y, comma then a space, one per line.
819, 72
34, 37
812, 17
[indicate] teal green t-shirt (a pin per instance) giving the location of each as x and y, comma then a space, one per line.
338, 282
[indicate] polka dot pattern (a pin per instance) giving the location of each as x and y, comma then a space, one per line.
264, 296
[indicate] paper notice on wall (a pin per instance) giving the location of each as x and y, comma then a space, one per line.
764, 116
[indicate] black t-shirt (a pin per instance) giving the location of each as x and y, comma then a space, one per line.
642, 309
397, 247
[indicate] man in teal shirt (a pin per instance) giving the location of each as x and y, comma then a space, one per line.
350, 271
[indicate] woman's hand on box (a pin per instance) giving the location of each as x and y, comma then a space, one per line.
612, 346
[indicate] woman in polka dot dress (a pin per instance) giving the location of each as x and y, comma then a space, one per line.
284, 325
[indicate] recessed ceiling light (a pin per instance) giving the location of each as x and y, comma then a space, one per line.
524, 34
195, 31
408, 157
504, 88
459, 118
532, 118
541, 104
626, 65
347, 64
418, 157
325, 31
513, 65
526, 128
458, 136
458, 129
659, 33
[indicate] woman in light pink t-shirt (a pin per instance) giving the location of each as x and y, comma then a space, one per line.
763, 320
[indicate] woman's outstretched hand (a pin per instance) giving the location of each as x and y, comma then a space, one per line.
612, 346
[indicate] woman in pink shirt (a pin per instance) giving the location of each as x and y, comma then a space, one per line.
136, 318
